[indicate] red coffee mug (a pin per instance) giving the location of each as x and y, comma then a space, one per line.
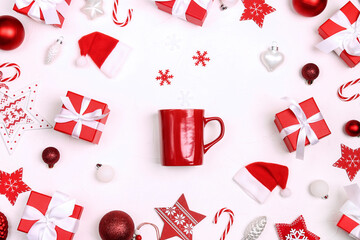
182, 135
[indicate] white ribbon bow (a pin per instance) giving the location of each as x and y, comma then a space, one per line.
351, 208
346, 39
180, 6
89, 119
304, 126
58, 214
49, 9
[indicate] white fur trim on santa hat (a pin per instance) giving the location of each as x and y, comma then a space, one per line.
251, 185
115, 60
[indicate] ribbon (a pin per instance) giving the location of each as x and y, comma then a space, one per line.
351, 208
89, 119
180, 6
346, 39
58, 214
49, 9
304, 126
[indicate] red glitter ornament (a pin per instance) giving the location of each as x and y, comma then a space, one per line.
352, 128
12, 33
116, 225
50, 156
3, 226
138, 237
309, 8
310, 72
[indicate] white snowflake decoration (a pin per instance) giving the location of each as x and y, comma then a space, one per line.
173, 42
185, 98
179, 219
352, 161
188, 228
256, 9
11, 185
296, 235
170, 211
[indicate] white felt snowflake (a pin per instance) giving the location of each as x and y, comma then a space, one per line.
256, 9
188, 228
352, 161
296, 235
11, 185
185, 98
173, 42
179, 219
170, 210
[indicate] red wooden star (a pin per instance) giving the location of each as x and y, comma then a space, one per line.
179, 221
297, 230
256, 10
11, 185
350, 161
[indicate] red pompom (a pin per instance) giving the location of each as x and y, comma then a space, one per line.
138, 237
116, 225
309, 8
50, 156
352, 128
3, 226
310, 72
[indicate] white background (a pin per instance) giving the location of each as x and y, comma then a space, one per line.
234, 86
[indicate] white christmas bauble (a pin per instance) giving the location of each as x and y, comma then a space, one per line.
320, 189
104, 173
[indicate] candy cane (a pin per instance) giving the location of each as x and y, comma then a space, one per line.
151, 224
348, 84
16, 75
116, 21
230, 223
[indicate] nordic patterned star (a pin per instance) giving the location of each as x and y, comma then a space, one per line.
350, 161
256, 10
11, 185
297, 230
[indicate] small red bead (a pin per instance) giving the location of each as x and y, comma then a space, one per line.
138, 237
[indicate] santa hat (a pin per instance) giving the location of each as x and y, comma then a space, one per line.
108, 53
259, 179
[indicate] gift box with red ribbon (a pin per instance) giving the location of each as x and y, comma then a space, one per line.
341, 33
52, 218
300, 125
194, 11
50, 12
82, 117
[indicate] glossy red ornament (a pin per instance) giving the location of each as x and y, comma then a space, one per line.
116, 225
50, 156
182, 132
309, 8
352, 128
138, 237
310, 72
12, 33
3, 226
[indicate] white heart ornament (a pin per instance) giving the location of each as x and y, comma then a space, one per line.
272, 58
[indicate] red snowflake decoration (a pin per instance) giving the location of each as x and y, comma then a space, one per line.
164, 77
11, 185
201, 58
350, 161
297, 230
256, 10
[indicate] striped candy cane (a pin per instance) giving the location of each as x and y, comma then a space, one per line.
230, 223
348, 84
116, 21
16, 75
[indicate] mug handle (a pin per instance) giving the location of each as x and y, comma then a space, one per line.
222, 132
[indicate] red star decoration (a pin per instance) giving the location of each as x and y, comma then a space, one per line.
297, 230
11, 185
178, 220
349, 161
256, 10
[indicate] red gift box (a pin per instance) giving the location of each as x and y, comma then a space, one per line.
330, 28
347, 224
41, 202
194, 13
287, 118
25, 11
87, 133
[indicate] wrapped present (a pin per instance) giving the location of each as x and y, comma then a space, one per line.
50, 11
82, 117
300, 125
50, 218
194, 11
350, 220
341, 33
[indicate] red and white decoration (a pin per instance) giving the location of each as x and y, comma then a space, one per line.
346, 85
179, 220
115, 13
350, 161
297, 230
15, 75
230, 223
256, 10
259, 179
11, 185
17, 114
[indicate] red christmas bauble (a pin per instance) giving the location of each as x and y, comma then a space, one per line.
309, 8
352, 128
12, 33
3, 226
116, 225
50, 156
310, 72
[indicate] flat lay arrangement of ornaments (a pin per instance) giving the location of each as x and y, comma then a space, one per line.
192, 120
